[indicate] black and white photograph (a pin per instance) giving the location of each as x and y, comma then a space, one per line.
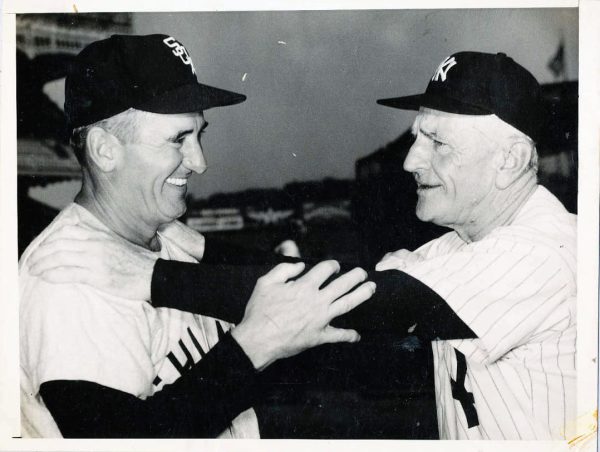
331, 224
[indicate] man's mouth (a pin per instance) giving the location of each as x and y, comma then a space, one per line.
177, 181
426, 187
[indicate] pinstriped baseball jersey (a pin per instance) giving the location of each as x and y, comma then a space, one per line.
516, 290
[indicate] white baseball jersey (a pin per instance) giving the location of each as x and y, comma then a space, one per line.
76, 332
516, 290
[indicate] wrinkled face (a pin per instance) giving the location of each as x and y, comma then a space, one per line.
452, 161
156, 165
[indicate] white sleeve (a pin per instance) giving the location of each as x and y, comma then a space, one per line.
504, 293
72, 332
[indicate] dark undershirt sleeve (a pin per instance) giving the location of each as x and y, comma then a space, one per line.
214, 290
222, 291
200, 404
402, 302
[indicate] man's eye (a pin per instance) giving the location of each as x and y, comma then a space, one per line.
438, 144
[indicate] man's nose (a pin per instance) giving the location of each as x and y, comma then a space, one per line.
193, 158
417, 158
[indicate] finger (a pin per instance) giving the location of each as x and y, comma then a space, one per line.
288, 248
188, 238
317, 275
333, 335
343, 284
391, 263
73, 275
282, 273
349, 301
39, 254
58, 249
58, 259
48, 249
73, 232
165, 228
178, 230
381, 266
69, 220
405, 255
81, 233
387, 265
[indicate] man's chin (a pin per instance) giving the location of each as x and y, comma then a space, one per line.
421, 210
423, 218
173, 212
424, 214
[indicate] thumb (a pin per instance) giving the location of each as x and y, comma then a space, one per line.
184, 236
390, 263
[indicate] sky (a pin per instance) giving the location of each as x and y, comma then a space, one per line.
313, 77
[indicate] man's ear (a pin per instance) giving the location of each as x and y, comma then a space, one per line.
103, 149
516, 158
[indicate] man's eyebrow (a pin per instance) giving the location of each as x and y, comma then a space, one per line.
428, 134
183, 133
417, 128
180, 134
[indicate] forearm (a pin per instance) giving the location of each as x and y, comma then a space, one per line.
221, 291
217, 290
402, 302
214, 290
202, 403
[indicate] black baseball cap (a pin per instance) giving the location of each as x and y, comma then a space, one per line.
152, 73
475, 83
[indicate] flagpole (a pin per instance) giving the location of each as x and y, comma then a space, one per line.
562, 44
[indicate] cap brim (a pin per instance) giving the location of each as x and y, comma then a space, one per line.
191, 98
404, 103
440, 103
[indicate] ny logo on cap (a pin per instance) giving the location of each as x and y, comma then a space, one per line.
179, 50
443, 68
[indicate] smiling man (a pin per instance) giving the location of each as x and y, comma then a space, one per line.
95, 364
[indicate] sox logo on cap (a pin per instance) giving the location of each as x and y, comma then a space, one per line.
142, 73
180, 51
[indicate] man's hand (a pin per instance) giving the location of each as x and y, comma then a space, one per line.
397, 260
186, 238
77, 255
285, 317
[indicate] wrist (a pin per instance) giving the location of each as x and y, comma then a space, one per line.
256, 349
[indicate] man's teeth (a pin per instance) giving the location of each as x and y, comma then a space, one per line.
179, 181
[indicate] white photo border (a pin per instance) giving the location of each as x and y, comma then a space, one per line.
588, 219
